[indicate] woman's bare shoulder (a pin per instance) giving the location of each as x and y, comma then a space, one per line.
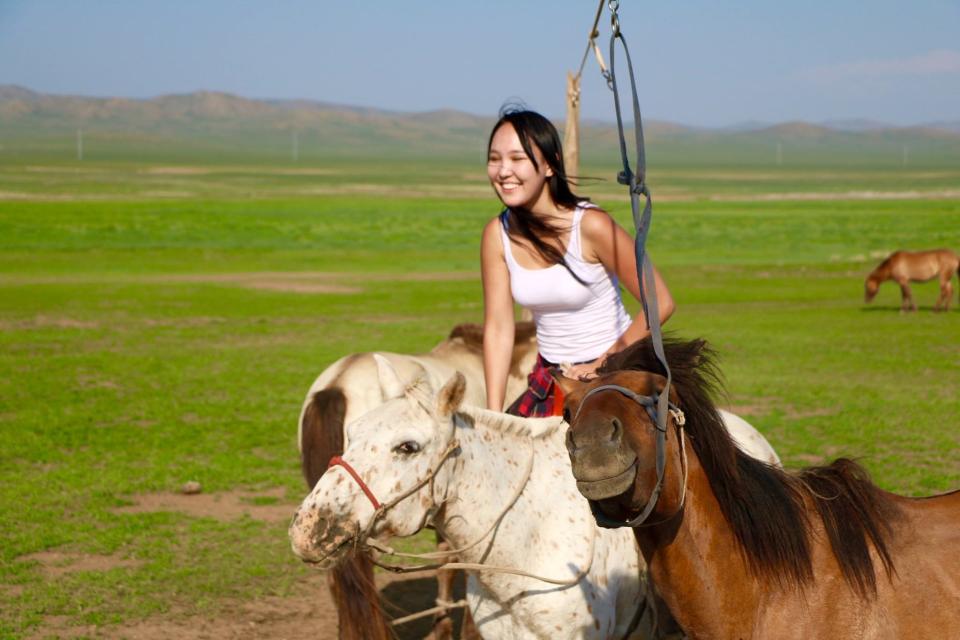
492, 224
596, 223
490, 240
492, 228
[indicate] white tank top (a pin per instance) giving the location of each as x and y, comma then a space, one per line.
575, 323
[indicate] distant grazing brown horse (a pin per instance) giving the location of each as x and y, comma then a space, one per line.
904, 267
740, 549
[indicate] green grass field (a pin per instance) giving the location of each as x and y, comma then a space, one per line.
162, 324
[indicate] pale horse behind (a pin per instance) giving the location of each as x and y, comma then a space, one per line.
547, 531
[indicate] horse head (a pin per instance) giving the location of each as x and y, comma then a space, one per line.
870, 288
612, 443
390, 479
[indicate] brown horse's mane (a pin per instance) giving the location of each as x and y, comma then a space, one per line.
764, 505
882, 271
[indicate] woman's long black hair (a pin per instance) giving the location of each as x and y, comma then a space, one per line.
534, 130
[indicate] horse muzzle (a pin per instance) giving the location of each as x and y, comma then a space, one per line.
610, 487
319, 539
602, 464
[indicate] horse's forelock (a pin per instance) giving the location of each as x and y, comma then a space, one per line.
420, 389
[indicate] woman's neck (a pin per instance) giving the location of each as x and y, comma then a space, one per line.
547, 209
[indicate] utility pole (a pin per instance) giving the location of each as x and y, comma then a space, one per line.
79, 144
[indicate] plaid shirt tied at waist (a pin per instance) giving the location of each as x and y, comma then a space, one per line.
543, 396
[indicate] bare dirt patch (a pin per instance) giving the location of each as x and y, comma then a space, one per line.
765, 406
312, 281
45, 321
10, 592
331, 279
936, 194
827, 454
420, 191
58, 563
177, 171
307, 172
267, 505
753, 407
203, 171
293, 282
793, 413
81, 170
165, 193
306, 614
60, 197
300, 287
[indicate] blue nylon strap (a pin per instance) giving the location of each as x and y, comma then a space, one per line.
637, 183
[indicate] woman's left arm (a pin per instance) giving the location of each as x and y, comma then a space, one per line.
604, 241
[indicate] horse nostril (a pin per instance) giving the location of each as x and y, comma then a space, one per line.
617, 429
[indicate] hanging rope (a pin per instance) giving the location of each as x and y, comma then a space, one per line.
571, 133
637, 183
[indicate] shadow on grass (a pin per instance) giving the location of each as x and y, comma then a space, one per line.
896, 309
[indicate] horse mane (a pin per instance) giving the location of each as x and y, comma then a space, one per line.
764, 505
321, 432
470, 336
882, 271
355, 594
536, 428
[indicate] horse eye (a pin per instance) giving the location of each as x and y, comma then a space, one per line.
407, 448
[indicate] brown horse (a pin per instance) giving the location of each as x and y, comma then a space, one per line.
349, 388
740, 549
904, 267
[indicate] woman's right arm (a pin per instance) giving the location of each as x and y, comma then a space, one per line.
498, 325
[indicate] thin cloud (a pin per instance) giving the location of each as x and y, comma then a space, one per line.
939, 62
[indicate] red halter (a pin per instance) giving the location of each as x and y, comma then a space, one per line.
338, 461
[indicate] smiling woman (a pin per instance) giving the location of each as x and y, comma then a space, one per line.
559, 256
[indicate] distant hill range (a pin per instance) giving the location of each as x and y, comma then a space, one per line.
226, 125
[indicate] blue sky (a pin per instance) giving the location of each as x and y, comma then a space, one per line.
700, 62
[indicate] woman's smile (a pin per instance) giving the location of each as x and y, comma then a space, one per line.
517, 179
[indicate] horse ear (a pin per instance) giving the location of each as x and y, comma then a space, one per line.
391, 386
451, 395
658, 382
569, 385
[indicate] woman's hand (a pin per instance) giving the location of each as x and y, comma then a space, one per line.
585, 371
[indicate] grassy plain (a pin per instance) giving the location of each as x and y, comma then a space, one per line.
160, 324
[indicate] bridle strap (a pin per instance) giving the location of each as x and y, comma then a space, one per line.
653, 406
650, 403
337, 461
